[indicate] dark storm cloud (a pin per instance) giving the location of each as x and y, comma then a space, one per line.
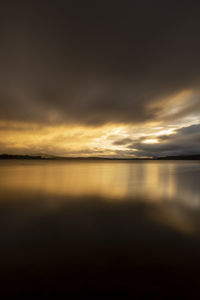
94, 62
184, 142
123, 142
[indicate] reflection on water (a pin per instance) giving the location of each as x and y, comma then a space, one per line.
149, 180
108, 230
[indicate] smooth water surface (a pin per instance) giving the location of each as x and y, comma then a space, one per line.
99, 228
153, 181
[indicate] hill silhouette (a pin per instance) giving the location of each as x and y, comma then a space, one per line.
49, 157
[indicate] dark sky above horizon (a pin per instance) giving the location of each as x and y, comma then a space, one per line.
107, 78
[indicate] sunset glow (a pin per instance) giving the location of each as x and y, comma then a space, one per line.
81, 89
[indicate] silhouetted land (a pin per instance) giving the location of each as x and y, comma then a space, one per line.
10, 156
183, 157
49, 157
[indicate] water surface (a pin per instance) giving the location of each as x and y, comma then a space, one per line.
153, 180
100, 228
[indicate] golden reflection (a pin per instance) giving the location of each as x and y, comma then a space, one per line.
151, 181
164, 184
176, 218
72, 178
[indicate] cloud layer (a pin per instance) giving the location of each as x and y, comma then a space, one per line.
185, 141
122, 63
94, 63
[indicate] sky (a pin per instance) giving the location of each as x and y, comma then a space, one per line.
100, 78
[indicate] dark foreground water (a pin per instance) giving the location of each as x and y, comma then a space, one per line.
100, 230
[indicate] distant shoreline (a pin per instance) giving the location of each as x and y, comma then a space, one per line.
46, 157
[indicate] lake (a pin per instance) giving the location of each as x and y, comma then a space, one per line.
100, 229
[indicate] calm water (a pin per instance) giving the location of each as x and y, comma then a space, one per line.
113, 228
